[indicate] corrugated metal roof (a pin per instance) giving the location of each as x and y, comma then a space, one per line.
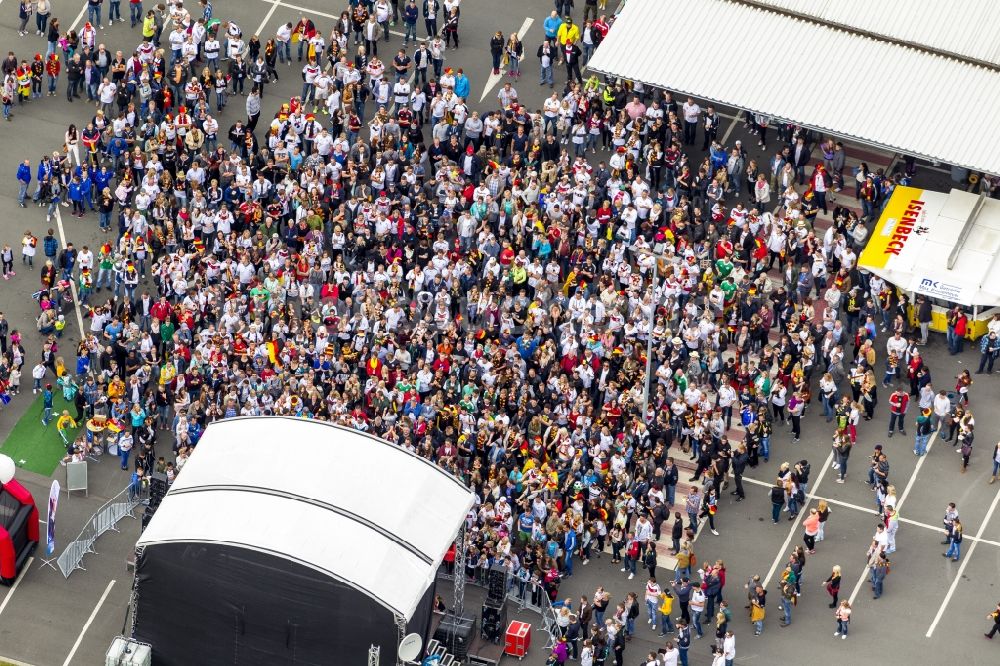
969, 29
870, 90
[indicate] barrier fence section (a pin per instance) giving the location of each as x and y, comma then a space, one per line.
527, 595
104, 519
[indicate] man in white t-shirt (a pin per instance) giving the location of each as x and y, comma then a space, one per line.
692, 114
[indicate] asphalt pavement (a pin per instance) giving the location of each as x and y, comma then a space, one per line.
933, 610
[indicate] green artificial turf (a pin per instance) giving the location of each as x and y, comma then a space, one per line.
35, 447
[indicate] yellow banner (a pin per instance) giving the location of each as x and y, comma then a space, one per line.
894, 227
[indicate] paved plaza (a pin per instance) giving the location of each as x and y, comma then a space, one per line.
933, 610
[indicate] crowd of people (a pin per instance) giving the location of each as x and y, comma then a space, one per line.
556, 328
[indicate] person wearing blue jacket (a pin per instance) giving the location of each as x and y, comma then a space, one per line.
527, 346
410, 15
102, 177
23, 180
76, 196
462, 85
42, 177
87, 189
569, 547
551, 26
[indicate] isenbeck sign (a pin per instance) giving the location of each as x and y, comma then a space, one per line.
902, 230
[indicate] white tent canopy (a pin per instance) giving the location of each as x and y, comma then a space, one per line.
361, 510
876, 90
940, 245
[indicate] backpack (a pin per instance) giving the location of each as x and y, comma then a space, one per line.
633, 550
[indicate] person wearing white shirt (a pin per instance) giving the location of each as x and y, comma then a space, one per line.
692, 114
897, 343
106, 91
283, 37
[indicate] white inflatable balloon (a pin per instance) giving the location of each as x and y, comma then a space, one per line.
6, 468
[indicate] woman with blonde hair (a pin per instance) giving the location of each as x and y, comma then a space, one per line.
514, 51
832, 585
823, 509
843, 616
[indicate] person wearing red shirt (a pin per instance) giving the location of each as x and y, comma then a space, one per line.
506, 255
898, 402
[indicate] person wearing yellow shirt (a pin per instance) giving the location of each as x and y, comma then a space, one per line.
62, 423
666, 608
167, 373
518, 275
149, 26
568, 33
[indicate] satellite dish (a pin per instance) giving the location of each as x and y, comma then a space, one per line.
7, 469
409, 647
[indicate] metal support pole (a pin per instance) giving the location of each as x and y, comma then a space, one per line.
373, 655
459, 580
400, 635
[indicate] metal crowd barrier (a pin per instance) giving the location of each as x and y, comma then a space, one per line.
104, 519
527, 596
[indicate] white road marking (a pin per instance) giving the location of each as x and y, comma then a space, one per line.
494, 79
267, 17
72, 281
15, 662
869, 510
90, 620
902, 498
79, 17
13, 588
783, 553
961, 568
732, 126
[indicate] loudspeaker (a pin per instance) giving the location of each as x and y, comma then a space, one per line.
494, 621
455, 633
496, 583
158, 488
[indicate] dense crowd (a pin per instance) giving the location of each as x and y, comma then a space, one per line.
478, 287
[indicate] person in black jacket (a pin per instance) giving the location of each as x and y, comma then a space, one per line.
571, 56
74, 76
497, 44
739, 466
777, 500
432, 9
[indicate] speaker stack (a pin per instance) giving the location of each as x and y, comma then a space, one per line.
494, 620
494, 612
496, 583
455, 633
158, 488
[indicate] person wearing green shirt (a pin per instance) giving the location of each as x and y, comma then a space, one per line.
517, 273
167, 332
723, 268
260, 293
728, 287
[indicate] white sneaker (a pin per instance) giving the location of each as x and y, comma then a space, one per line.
631, 576
836, 634
624, 569
844, 637
715, 533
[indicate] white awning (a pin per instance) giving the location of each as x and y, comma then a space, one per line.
862, 83
364, 511
940, 245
